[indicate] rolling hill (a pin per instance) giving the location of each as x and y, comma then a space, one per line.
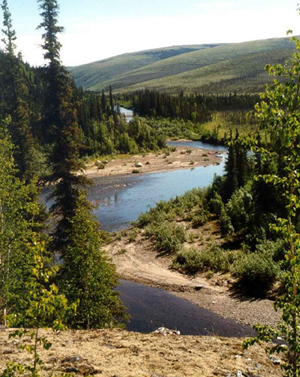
206, 68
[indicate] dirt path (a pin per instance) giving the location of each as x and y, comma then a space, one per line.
137, 261
182, 158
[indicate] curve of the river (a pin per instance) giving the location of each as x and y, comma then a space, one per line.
121, 200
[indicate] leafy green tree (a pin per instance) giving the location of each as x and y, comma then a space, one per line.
46, 308
279, 115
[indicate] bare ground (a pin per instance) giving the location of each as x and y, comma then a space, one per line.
119, 353
138, 261
182, 158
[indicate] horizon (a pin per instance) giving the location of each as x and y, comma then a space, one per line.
102, 30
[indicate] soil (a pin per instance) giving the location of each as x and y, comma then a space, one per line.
139, 261
119, 353
182, 158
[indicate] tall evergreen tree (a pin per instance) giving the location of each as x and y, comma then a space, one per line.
8, 31
76, 237
60, 118
16, 97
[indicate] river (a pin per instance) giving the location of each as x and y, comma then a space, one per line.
121, 200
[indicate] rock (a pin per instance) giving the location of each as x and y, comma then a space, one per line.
86, 369
164, 331
138, 165
147, 163
48, 367
198, 287
183, 152
7, 352
274, 360
72, 359
72, 370
239, 374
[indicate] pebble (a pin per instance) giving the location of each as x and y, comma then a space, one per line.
275, 360
164, 331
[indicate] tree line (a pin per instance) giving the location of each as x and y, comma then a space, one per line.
194, 107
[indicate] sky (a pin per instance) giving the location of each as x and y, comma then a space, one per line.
98, 29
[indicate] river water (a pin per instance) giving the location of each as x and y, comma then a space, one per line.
121, 200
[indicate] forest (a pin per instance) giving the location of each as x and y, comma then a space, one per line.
53, 270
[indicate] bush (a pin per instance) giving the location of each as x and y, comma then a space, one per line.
214, 259
100, 165
239, 208
200, 218
168, 238
257, 272
216, 205
225, 223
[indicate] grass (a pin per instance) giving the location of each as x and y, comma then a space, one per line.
100, 74
206, 68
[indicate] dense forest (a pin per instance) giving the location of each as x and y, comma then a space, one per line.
209, 118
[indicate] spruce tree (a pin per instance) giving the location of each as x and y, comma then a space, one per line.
76, 236
16, 98
60, 118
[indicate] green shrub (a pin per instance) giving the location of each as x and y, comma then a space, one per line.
167, 237
100, 165
214, 259
216, 204
238, 208
225, 223
135, 171
200, 218
256, 271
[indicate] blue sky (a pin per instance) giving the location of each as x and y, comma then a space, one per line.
97, 29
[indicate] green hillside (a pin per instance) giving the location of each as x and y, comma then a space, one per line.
207, 68
243, 74
93, 75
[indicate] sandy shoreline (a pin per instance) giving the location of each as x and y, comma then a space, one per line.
138, 261
182, 158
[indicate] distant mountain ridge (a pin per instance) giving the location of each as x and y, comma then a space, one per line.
203, 68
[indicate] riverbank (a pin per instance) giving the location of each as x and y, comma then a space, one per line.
116, 353
137, 260
177, 158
